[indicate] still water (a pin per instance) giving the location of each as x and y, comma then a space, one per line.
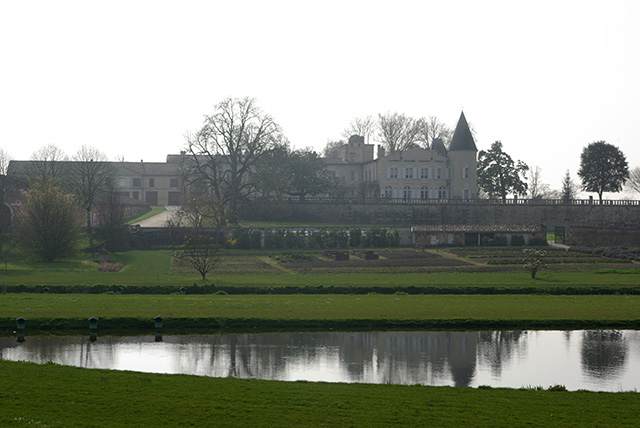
603, 360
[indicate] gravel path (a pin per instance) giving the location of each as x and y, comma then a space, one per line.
159, 220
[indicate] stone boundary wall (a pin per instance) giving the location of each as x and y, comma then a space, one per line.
599, 236
408, 214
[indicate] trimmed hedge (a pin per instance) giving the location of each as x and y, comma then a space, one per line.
209, 324
329, 289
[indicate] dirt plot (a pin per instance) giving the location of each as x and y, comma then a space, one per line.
230, 264
388, 259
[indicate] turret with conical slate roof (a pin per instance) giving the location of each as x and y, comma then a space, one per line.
462, 138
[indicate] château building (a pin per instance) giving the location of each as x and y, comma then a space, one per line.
414, 174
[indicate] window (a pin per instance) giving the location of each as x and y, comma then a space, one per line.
354, 175
387, 192
442, 193
152, 182
424, 192
352, 157
438, 173
393, 172
465, 172
173, 182
122, 182
408, 172
136, 195
424, 173
466, 194
137, 182
406, 192
449, 173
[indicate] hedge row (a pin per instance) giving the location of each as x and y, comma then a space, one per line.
379, 237
330, 289
213, 324
555, 261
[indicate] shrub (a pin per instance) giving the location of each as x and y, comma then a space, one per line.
274, 238
376, 237
533, 260
255, 238
49, 221
394, 238
338, 238
557, 388
499, 241
242, 238
538, 242
319, 238
517, 241
355, 237
295, 239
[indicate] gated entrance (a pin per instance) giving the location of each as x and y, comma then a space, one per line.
559, 235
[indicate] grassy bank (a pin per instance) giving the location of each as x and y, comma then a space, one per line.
291, 312
57, 396
256, 272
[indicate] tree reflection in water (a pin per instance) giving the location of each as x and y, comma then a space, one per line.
603, 352
579, 359
496, 348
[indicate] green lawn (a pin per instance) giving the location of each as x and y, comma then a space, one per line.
70, 311
57, 396
149, 268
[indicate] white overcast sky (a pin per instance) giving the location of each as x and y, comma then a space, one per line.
131, 77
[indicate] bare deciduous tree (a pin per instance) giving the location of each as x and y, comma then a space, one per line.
5, 158
397, 132
364, 126
537, 189
90, 176
633, 182
202, 217
432, 128
49, 163
227, 147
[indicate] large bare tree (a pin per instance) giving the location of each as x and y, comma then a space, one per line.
431, 128
5, 158
227, 147
49, 163
364, 126
633, 183
91, 176
397, 132
536, 188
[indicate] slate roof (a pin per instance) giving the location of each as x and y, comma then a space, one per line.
147, 168
462, 138
437, 145
24, 168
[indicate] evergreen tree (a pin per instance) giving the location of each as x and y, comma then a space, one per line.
568, 192
499, 175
